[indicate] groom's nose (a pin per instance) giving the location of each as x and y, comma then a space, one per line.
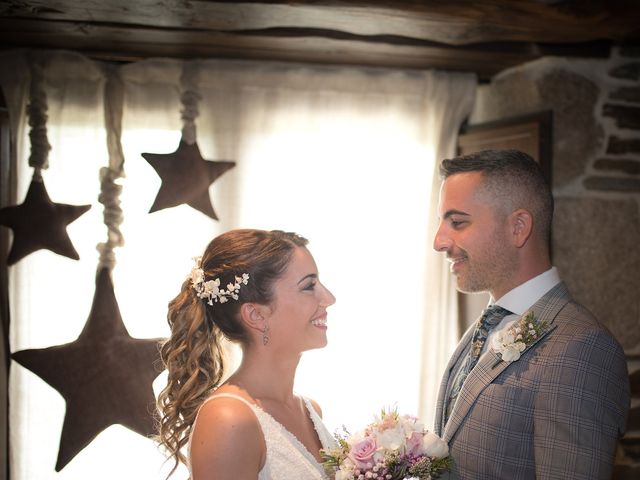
441, 242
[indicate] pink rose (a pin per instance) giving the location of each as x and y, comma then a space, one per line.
361, 452
414, 444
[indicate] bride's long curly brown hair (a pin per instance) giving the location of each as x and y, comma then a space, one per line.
193, 354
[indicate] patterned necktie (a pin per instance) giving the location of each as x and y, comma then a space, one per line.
491, 317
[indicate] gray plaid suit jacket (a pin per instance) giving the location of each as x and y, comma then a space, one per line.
556, 413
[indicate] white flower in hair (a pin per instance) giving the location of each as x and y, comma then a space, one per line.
210, 290
211, 287
197, 275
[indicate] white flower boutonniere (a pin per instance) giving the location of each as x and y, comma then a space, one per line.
511, 343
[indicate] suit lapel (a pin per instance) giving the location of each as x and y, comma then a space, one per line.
484, 373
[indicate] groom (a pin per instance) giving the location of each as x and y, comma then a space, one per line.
553, 401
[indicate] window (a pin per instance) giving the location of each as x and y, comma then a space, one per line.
343, 156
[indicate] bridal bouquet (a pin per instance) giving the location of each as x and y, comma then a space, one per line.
393, 447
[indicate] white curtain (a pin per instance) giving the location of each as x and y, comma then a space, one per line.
343, 156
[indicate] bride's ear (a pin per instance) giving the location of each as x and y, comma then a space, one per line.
253, 316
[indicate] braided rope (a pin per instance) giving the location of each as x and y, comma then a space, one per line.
110, 190
37, 117
189, 98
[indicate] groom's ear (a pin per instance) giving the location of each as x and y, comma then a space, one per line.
521, 226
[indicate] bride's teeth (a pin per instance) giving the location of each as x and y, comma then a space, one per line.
319, 322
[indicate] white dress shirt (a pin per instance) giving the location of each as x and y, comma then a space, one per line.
521, 298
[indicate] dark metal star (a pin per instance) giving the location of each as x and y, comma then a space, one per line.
39, 223
105, 376
186, 178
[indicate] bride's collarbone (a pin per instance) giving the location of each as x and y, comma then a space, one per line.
293, 414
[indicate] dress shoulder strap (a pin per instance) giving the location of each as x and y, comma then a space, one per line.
309, 404
230, 395
254, 408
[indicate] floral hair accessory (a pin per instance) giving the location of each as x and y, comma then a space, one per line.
510, 344
210, 289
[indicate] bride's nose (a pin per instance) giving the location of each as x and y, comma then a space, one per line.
327, 298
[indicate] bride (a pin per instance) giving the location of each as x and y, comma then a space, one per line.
262, 290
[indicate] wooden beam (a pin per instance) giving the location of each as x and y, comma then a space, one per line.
394, 34
453, 22
127, 44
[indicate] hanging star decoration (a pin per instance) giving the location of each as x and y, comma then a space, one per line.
38, 223
105, 376
186, 178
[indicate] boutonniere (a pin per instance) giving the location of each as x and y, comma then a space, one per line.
511, 343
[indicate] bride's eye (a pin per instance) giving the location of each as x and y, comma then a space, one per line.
310, 286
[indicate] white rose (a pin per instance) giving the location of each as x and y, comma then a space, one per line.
391, 439
434, 446
512, 352
506, 337
346, 470
343, 475
410, 424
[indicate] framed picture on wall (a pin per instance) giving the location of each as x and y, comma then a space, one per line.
531, 134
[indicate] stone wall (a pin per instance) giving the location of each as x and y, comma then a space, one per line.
596, 185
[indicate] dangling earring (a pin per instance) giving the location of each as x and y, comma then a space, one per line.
265, 335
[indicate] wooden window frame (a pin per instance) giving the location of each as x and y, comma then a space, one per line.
7, 197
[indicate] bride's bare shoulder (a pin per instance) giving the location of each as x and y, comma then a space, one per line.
227, 435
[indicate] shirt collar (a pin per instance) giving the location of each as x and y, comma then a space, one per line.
526, 294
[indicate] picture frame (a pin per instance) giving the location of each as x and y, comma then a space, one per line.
531, 133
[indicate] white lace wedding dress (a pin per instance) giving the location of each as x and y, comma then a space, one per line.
287, 458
